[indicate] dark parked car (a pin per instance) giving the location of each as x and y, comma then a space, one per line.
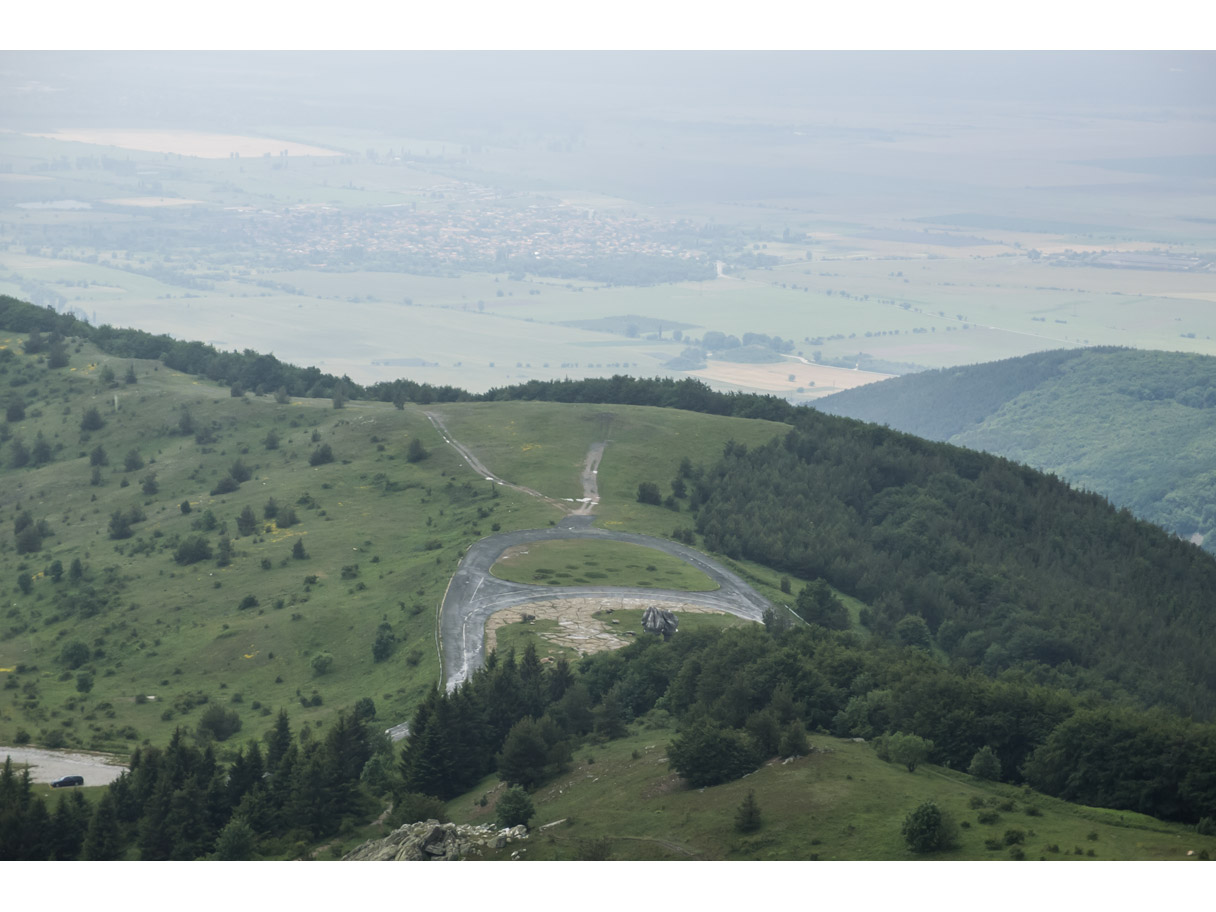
66, 781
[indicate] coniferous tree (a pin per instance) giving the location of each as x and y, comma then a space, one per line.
747, 817
103, 841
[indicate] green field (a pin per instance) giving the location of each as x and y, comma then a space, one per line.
852, 277
839, 803
595, 563
543, 445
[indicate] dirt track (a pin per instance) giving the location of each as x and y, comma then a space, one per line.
473, 594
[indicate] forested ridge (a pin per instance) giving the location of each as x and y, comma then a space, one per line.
1136, 426
742, 697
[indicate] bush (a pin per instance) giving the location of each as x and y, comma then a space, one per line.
321, 663
416, 451
514, 808
648, 493
322, 455
91, 420
929, 829
414, 807
706, 754
225, 485
219, 723
192, 550
985, 764
74, 654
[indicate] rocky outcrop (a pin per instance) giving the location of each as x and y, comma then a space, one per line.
431, 840
660, 622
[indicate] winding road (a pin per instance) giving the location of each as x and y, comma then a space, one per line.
474, 594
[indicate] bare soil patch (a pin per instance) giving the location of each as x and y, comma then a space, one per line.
579, 629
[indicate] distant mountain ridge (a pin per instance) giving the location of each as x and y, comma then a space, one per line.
1138, 427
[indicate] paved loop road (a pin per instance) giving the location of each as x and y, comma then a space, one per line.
473, 594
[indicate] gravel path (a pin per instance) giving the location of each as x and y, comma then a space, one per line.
473, 594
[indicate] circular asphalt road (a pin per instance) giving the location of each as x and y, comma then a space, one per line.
473, 594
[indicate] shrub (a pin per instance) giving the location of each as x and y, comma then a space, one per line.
514, 808
1014, 837
929, 829
706, 754
321, 663
219, 723
192, 550
321, 455
416, 451
74, 654
988, 817
91, 420
225, 485
985, 764
648, 493
413, 807
240, 472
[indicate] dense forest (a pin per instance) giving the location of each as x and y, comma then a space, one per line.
1136, 426
179, 803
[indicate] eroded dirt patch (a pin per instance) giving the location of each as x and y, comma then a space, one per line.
578, 628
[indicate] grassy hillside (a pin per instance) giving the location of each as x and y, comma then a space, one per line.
838, 803
162, 638
161, 641
1137, 427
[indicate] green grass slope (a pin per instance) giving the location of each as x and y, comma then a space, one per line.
163, 639
1138, 427
544, 445
620, 800
161, 642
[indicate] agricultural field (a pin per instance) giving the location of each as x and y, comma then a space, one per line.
385, 254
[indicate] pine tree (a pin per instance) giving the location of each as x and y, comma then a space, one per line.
747, 817
278, 742
236, 841
103, 841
